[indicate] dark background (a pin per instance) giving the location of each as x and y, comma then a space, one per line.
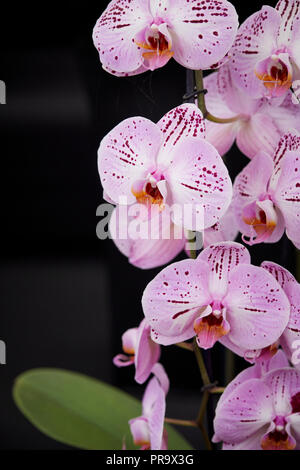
65, 296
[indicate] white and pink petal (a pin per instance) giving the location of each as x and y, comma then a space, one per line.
257, 308
147, 353
255, 41
174, 299
201, 181
126, 155
181, 122
114, 35
222, 258
246, 411
151, 243
202, 32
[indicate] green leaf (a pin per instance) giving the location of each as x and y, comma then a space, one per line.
80, 411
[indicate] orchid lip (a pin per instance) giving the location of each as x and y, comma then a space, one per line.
156, 41
278, 437
129, 351
262, 217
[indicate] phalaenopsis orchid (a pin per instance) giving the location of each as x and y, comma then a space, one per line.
186, 191
174, 195
207, 192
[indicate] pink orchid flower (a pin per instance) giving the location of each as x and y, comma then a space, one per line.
166, 164
258, 124
266, 196
265, 55
133, 36
290, 339
218, 296
148, 430
139, 350
260, 411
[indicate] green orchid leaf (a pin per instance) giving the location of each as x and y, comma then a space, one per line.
81, 411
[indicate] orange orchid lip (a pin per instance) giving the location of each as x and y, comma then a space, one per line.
148, 195
151, 55
277, 440
210, 327
156, 46
160, 43
278, 80
129, 351
140, 442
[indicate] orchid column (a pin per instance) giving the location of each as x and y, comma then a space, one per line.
169, 179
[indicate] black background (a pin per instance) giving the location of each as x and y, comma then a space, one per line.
65, 296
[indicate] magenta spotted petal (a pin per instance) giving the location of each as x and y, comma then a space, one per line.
218, 295
256, 40
266, 197
257, 308
126, 155
173, 299
202, 31
198, 180
222, 258
246, 411
133, 36
285, 184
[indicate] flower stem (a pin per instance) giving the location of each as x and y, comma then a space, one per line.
206, 404
217, 390
181, 422
194, 424
201, 96
212, 118
202, 106
202, 409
